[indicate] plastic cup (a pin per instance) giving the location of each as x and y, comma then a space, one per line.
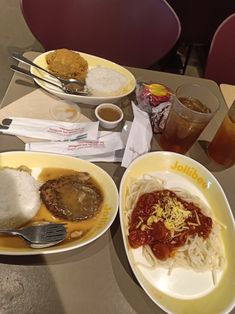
192, 109
65, 111
109, 115
222, 147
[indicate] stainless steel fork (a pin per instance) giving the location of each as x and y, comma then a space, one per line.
40, 235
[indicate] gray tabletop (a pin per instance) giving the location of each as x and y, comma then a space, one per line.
96, 278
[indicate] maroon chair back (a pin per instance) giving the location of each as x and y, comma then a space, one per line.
220, 65
129, 32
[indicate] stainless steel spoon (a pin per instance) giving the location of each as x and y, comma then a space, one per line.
77, 84
67, 88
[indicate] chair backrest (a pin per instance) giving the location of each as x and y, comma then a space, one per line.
220, 65
130, 32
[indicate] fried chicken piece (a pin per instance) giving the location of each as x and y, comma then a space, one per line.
66, 63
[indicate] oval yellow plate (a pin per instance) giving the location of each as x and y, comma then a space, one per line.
184, 290
39, 161
93, 61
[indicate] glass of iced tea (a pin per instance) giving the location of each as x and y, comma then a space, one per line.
222, 147
192, 109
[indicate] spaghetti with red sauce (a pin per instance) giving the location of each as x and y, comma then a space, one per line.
164, 221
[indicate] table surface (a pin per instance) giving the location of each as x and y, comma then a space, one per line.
96, 278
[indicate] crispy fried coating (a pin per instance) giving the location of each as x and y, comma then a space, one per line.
66, 63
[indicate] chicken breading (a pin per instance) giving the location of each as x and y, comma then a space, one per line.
66, 63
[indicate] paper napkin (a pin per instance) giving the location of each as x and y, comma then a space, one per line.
140, 136
49, 129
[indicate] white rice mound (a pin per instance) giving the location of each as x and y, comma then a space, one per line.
19, 198
102, 81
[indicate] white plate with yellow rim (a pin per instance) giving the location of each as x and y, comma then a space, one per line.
39, 162
93, 62
184, 290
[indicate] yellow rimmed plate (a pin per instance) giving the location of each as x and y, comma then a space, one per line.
39, 161
184, 291
93, 61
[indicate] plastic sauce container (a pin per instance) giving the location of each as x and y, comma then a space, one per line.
109, 115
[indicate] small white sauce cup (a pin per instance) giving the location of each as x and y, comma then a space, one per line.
105, 123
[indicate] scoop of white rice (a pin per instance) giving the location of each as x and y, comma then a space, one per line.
103, 81
19, 198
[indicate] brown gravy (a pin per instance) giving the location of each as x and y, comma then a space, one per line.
75, 229
109, 114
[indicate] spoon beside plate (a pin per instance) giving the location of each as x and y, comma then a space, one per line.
79, 83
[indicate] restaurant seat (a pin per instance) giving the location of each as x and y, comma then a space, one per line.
129, 32
199, 21
220, 65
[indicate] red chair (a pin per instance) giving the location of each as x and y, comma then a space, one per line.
130, 32
220, 65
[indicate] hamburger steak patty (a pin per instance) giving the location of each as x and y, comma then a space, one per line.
72, 197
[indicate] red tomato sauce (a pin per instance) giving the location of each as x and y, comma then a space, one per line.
157, 236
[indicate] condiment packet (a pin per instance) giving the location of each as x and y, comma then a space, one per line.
107, 142
139, 139
50, 129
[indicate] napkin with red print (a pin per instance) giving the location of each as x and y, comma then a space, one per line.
49, 129
107, 147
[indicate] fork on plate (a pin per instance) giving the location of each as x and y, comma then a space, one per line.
40, 235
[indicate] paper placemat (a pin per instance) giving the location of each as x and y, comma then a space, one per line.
42, 105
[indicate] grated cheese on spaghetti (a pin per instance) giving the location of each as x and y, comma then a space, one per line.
173, 215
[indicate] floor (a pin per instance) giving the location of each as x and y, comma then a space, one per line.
15, 36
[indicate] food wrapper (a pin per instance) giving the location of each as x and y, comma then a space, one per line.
49, 129
155, 99
107, 147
